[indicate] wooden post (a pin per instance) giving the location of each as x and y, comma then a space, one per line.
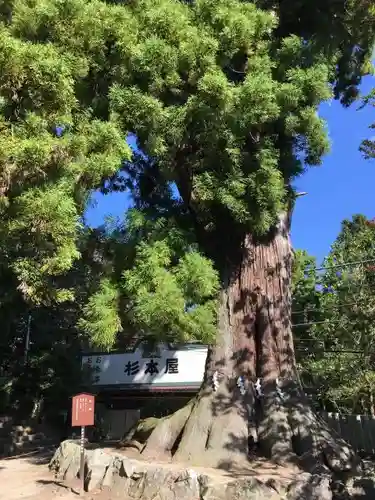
83, 411
82, 463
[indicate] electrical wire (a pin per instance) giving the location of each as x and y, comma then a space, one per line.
318, 309
337, 266
336, 307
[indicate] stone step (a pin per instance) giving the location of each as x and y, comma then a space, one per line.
11, 449
19, 437
5, 422
19, 430
13, 444
6, 427
30, 438
32, 445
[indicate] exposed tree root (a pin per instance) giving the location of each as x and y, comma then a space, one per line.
312, 435
164, 436
212, 431
218, 427
140, 432
289, 428
214, 440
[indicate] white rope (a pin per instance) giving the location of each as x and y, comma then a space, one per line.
258, 388
279, 391
241, 385
215, 381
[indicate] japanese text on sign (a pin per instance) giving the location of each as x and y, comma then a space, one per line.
151, 367
83, 410
183, 367
134, 367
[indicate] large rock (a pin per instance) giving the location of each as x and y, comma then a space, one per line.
97, 464
66, 460
361, 487
236, 489
164, 484
310, 487
135, 479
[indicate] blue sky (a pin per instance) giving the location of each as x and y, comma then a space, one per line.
342, 186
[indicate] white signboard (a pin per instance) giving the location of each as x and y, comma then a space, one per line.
182, 367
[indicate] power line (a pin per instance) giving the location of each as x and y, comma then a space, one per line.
335, 306
311, 323
316, 345
305, 346
319, 309
338, 266
335, 351
348, 351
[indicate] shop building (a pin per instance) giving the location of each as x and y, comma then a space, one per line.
143, 382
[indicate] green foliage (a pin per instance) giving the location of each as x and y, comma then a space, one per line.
223, 99
342, 29
101, 319
222, 96
234, 163
368, 145
165, 290
54, 148
304, 283
172, 300
338, 309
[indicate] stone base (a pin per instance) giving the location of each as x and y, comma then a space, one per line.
128, 478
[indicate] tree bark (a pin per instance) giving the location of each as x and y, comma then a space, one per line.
254, 345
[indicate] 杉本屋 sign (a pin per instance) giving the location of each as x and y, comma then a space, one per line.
176, 368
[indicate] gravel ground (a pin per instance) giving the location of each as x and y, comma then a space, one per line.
27, 478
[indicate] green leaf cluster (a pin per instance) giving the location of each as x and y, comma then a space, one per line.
222, 97
165, 289
54, 147
336, 312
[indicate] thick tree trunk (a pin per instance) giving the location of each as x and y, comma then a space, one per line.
251, 393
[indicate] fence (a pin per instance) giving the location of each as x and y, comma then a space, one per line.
358, 430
